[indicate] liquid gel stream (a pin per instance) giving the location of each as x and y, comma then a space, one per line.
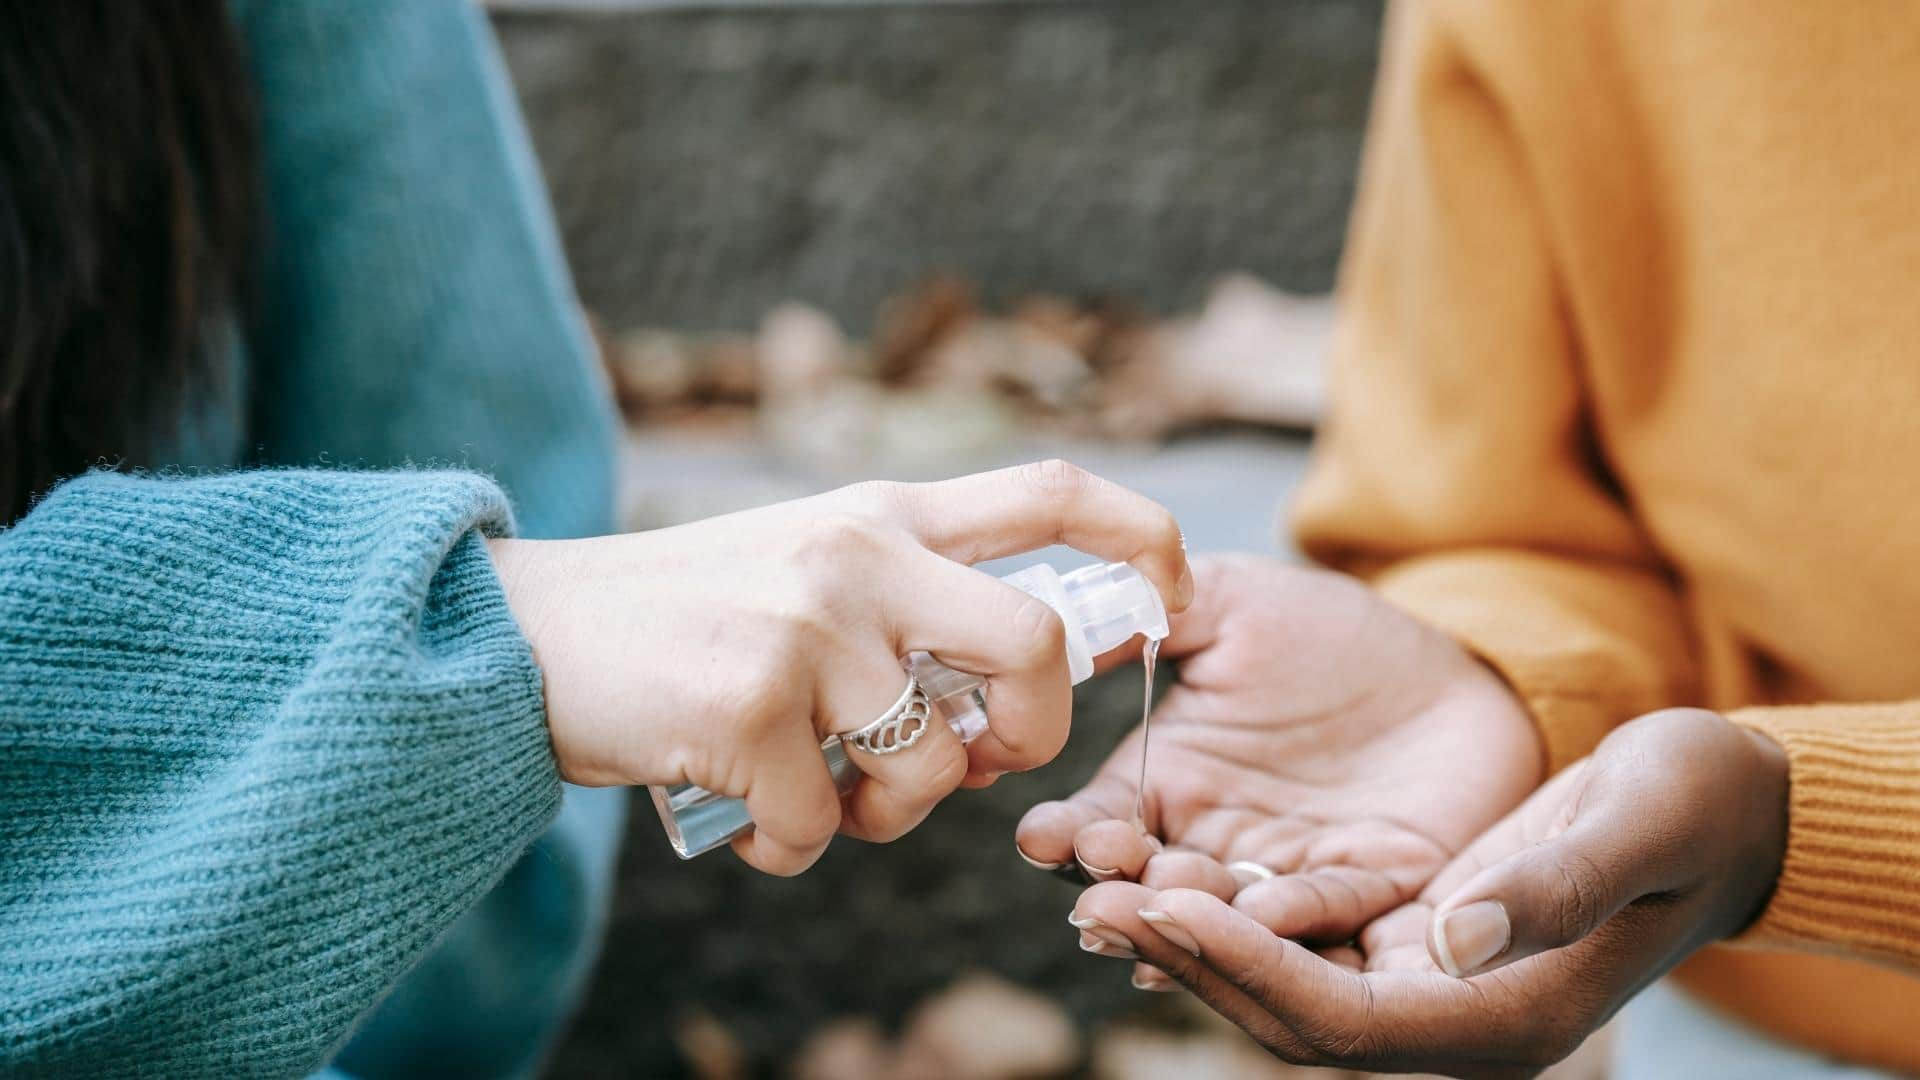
1148, 656
1103, 606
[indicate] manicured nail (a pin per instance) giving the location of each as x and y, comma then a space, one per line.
1184, 590
1115, 941
1154, 980
1166, 927
1095, 942
1097, 873
1247, 873
1470, 937
1036, 863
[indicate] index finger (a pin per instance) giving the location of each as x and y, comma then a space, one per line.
1047, 831
1008, 511
969, 622
1195, 629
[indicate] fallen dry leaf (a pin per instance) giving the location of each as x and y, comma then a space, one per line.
986, 1028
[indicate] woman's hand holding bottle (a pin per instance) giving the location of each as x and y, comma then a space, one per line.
721, 652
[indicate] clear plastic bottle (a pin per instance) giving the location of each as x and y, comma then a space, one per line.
1103, 605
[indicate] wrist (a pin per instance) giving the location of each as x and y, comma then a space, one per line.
1763, 785
511, 567
1515, 705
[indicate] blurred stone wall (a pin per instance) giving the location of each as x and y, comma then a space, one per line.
707, 164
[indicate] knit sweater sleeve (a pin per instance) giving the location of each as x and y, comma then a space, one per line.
1457, 472
262, 738
1850, 883
414, 304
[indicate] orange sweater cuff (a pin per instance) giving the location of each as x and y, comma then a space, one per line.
1851, 880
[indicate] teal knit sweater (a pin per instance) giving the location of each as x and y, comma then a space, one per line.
272, 749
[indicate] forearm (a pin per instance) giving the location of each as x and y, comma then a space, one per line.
267, 736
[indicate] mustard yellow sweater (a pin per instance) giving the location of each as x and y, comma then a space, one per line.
1627, 397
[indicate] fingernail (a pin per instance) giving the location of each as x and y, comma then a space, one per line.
1154, 980
1468, 938
1247, 873
1095, 942
1095, 873
1153, 842
1164, 925
1115, 941
1184, 590
1036, 863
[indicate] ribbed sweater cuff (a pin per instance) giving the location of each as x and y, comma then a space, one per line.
1851, 880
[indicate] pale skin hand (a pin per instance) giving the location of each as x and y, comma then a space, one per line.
720, 653
1318, 733
1668, 838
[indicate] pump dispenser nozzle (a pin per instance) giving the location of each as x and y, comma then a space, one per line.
1103, 606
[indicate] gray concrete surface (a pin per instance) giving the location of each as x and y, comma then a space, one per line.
1226, 488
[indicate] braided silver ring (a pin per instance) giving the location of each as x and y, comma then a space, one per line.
899, 727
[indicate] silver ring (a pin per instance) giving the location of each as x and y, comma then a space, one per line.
899, 727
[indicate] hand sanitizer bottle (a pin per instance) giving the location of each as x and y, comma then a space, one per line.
1103, 605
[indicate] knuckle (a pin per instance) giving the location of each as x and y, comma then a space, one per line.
1582, 903
1330, 1049
818, 820
881, 498
832, 554
949, 772
836, 535
1276, 1039
843, 532
1164, 530
763, 688
783, 867
1037, 632
1057, 479
784, 641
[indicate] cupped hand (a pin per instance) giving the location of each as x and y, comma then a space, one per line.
720, 653
1322, 748
1670, 836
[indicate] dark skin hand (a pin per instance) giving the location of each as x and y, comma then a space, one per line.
1669, 837
1321, 744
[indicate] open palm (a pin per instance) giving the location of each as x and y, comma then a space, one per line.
1322, 757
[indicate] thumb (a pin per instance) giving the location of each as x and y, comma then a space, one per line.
1546, 896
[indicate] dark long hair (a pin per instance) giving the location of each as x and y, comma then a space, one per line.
129, 208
